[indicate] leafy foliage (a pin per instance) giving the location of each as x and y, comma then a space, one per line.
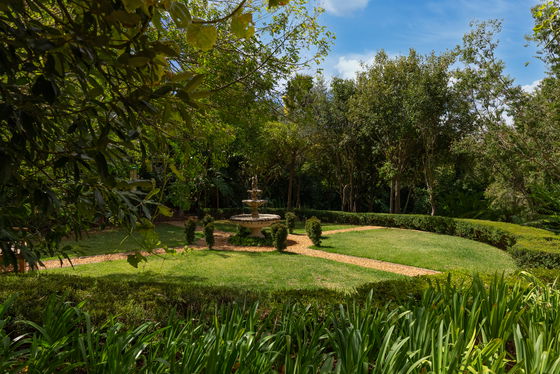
279, 233
206, 220
290, 221
209, 234
190, 228
90, 89
313, 230
242, 239
494, 327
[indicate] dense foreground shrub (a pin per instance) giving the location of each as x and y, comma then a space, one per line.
136, 302
314, 230
279, 234
475, 328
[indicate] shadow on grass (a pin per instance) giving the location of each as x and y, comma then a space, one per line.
152, 277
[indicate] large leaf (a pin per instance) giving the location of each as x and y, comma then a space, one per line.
132, 5
242, 25
202, 36
180, 14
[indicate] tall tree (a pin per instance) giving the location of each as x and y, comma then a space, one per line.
89, 87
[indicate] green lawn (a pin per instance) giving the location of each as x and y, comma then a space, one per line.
224, 225
423, 249
114, 241
256, 271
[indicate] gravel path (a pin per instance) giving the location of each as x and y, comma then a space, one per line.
297, 243
303, 243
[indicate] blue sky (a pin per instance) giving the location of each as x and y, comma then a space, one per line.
363, 27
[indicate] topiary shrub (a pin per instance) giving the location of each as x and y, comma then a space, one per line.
209, 234
206, 220
279, 236
313, 230
291, 222
190, 228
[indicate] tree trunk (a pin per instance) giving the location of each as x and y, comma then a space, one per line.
298, 193
429, 175
291, 181
217, 198
397, 203
392, 197
407, 200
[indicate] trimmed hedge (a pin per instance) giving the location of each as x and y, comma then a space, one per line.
291, 221
314, 230
209, 234
279, 233
190, 228
530, 247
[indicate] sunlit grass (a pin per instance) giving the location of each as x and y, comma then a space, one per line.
423, 249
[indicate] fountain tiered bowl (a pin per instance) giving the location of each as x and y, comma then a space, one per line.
255, 221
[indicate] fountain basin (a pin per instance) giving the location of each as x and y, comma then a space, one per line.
255, 224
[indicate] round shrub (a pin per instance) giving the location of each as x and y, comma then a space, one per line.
206, 220
291, 221
209, 234
190, 228
279, 236
313, 230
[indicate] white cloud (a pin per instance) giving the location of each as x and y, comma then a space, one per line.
343, 7
529, 88
347, 66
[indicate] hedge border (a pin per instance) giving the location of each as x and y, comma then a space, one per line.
529, 247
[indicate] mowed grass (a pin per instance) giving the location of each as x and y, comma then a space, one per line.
114, 241
265, 271
422, 249
226, 226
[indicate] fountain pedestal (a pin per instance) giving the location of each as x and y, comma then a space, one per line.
255, 221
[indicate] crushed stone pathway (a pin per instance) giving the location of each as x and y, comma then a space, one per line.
297, 243
303, 243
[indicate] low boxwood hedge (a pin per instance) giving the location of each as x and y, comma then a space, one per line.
529, 246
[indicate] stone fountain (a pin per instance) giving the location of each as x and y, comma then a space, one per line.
255, 221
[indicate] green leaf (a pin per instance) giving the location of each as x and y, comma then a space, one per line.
125, 18
45, 88
194, 82
138, 61
242, 25
135, 259
165, 210
274, 3
202, 37
199, 94
132, 5
180, 14
177, 173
